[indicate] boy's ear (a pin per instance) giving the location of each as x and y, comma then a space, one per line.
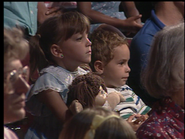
99, 67
56, 50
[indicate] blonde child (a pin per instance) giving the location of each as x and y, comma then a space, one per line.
59, 48
110, 55
97, 123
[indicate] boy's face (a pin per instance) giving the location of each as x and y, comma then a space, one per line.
116, 72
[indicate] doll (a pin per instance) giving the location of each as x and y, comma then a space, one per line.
89, 90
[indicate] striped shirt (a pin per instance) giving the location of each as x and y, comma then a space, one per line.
133, 103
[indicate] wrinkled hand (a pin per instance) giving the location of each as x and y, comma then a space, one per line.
75, 107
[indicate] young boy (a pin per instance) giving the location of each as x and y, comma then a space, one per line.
110, 55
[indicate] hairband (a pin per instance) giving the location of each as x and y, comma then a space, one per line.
97, 121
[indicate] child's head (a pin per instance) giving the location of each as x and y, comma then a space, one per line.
89, 89
61, 40
164, 74
97, 123
110, 55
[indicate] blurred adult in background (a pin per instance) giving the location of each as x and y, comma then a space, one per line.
163, 78
97, 123
108, 12
165, 13
15, 78
27, 15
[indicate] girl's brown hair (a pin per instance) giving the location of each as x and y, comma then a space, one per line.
54, 31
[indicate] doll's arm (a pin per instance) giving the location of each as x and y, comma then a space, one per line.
114, 98
75, 107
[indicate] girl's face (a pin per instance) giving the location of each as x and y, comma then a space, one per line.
116, 72
101, 97
15, 87
76, 50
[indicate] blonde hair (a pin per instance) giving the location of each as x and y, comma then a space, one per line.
112, 126
104, 39
164, 74
15, 46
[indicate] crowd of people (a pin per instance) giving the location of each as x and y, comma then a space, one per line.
74, 74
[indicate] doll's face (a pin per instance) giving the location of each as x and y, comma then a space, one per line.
101, 97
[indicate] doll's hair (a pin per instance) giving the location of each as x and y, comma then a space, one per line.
104, 39
54, 30
97, 123
164, 73
85, 88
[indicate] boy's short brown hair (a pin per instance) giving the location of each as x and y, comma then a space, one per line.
104, 39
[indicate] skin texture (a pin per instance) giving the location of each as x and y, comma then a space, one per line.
118, 67
131, 24
116, 73
76, 50
14, 95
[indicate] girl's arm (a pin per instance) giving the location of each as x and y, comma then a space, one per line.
55, 103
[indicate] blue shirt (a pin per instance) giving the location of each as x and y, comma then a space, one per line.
45, 124
139, 48
23, 14
110, 8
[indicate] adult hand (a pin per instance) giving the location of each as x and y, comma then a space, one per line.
135, 121
130, 25
45, 13
53, 11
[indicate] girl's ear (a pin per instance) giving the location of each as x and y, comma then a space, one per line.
99, 67
56, 50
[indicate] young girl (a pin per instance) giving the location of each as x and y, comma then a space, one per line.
97, 123
110, 55
63, 45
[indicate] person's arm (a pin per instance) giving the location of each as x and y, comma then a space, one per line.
55, 103
94, 16
44, 13
130, 9
129, 24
